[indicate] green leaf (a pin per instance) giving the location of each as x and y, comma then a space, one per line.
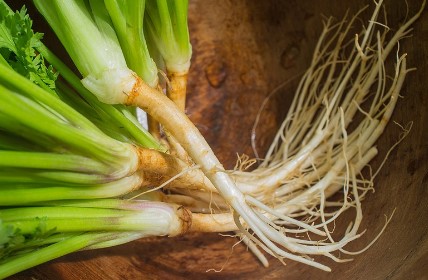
6, 40
9, 239
6, 232
12, 241
18, 45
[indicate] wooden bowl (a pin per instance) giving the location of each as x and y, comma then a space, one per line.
243, 49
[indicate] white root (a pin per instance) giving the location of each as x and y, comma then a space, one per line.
320, 149
341, 108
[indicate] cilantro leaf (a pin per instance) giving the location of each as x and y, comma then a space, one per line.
18, 46
6, 232
13, 242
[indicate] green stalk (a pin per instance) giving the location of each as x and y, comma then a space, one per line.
120, 238
127, 18
13, 128
110, 203
69, 17
166, 22
69, 245
27, 194
97, 116
126, 223
93, 203
50, 161
140, 135
14, 142
18, 83
32, 214
75, 100
153, 218
93, 143
87, 27
13, 175
33, 115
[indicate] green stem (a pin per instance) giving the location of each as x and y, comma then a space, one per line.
28, 112
22, 84
125, 223
127, 18
11, 127
12, 194
124, 204
54, 161
94, 113
12, 175
71, 97
57, 214
141, 135
51, 252
120, 238
95, 203
154, 218
166, 24
14, 142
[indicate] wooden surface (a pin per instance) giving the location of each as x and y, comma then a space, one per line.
243, 49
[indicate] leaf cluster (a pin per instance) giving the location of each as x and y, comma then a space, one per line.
18, 44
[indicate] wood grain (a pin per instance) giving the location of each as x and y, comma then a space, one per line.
243, 49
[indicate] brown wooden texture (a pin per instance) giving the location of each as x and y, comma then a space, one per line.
243, 49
